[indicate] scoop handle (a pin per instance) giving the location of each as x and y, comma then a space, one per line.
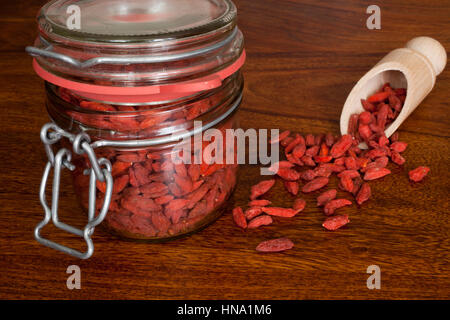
432, 50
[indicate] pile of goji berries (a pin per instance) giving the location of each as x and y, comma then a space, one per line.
321, 156
152, 196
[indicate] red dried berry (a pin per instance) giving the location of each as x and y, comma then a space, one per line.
252, 212
280, 165
340, 147
365, 117
275, 245
378, 97
308, 160
335, 222
364, 193
351, 163
309, 140
329, 139
259, 221
239, 218
332, 205
376, 173
299, 205
347, 183
280, 212
292, 187
288, 174
297, 140
308, 175
326, 196
397, 158
280, 137
299, 150
259, 203
352, 174
353, 124
399, 146
315, 184
261, 188
177, 204
418, 173
368, 106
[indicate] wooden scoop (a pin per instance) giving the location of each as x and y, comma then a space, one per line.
414, 67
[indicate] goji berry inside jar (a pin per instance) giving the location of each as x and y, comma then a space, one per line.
134, 78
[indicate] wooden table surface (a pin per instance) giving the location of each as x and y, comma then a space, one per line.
303, 57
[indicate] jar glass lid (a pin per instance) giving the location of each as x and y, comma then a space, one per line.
134, 20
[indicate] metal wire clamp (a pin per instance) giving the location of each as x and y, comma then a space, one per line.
100, 170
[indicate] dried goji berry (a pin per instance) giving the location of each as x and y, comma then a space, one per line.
239, 218
335, 222
309, 140
308, 175
312, 151
119, 167
280, 212
308, 160
280, 137
177, 204
261, 188
275, 245
332, 205
252, 212
259, 203
399, 146
326, 196
352, 124
315, 184
341, 146
368, 106
329, 139
299, 205
397, 158
299, 150
288, 174
378, 97
376, 173
418, 173
347, 183
262, 220
292, 187
364, 193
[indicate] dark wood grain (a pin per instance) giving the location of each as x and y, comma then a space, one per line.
303, 59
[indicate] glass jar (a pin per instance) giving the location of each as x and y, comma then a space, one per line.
133, 91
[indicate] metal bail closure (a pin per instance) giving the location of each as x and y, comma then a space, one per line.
100, 170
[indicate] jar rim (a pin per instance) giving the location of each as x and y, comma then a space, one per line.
137, 21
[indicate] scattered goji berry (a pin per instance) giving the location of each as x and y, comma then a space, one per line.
364, 193
288, 174
376, 173
292, 187
275, 245
259, 203
334, 204
399, 146
259, 221
299, 205
280, 212
335, 222
315, 184
326, 196
418, 173
261, 188
239, 218
252, 212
